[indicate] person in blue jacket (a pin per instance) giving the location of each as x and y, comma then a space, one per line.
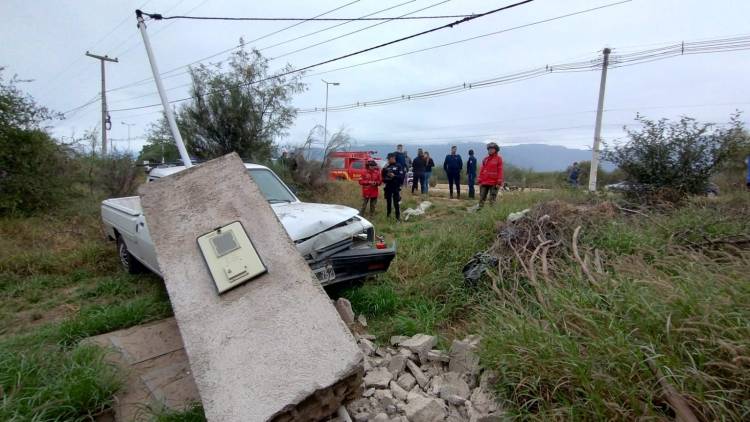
471, 172
393, 176
747, 179
453, 166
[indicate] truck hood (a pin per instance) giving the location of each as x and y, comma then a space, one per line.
302, 220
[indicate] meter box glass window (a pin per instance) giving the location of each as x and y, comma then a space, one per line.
230, 256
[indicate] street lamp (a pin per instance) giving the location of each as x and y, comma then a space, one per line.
325, 124
129, 125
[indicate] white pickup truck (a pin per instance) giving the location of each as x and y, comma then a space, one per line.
338, 244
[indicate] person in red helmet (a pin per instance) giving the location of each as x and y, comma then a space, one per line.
370, 181
491, 174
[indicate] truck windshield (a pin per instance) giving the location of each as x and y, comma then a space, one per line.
273, 189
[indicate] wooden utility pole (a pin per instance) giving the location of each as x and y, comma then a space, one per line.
105, 114
598, 128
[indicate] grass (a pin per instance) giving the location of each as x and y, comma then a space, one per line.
60, 282
582, 354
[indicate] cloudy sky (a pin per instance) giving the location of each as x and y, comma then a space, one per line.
45, 41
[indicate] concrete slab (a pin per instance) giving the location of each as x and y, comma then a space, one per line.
159, 377
272, 349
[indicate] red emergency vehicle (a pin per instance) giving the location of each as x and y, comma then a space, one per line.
349, 165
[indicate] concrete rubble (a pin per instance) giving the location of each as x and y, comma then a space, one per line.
413, 382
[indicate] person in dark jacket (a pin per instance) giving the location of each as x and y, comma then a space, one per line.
471, 172
452, 166
393, 176
418, 168
427, 171
400, 155
575, 171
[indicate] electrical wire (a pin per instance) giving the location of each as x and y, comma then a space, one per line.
401, 54
157, 16
646, 56
146, 80
356, 31
355, 53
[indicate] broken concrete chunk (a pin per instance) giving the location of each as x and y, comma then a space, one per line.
454, 399
396, 365
463, 356
362, 320
257, 352
397, 391
395, 340
367, 337
483, 407
406, 381
345, 310
381, 417
438, 356
378, 378
380, 351
425, 409
385, 398
450, 384
421, 378
420, 344
369, 392
367, 347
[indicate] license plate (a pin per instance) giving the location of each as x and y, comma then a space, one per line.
325, 274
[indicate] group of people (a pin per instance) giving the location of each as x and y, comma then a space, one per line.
394, 175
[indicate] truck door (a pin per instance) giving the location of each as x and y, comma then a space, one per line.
141, 245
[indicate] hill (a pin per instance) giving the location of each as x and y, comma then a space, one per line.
538, 157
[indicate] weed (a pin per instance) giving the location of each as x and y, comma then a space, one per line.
192, 413
52, 384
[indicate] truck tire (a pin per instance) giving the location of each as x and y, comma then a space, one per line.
127, 260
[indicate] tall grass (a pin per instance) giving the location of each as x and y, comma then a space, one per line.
667, 295
59, 283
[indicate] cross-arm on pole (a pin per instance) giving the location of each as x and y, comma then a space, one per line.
162, 93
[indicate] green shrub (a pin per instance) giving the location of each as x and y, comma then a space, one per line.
35, 172
668, 160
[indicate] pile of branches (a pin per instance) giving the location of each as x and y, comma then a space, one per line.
539, 247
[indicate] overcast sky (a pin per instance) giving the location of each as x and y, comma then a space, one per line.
45, 40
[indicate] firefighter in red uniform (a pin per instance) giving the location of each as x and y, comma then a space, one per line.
370, 181
491, 174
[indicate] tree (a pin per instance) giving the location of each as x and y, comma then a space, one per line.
19, 110
239, 110
160, 146
679, 157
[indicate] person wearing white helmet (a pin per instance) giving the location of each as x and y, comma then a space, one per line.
491, 174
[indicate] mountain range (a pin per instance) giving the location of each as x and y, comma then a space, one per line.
538, 157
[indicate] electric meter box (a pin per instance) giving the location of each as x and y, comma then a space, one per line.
230, 256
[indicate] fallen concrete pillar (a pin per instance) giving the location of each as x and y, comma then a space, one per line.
273, 348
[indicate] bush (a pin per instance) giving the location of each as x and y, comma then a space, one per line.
675, 157
35, 172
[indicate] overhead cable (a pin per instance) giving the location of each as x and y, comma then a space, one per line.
145, 80
400, 54
408, 37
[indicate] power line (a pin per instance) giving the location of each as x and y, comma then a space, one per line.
401, 54
156, 16
685, 48
145, 80
408, 37
356, 31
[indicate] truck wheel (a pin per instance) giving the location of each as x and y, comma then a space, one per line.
127, 260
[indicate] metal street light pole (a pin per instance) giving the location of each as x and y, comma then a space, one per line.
129, 125
325, 122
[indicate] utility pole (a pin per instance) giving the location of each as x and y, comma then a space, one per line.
129, 125
598, 128
162, 93
105, 114
325, 123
